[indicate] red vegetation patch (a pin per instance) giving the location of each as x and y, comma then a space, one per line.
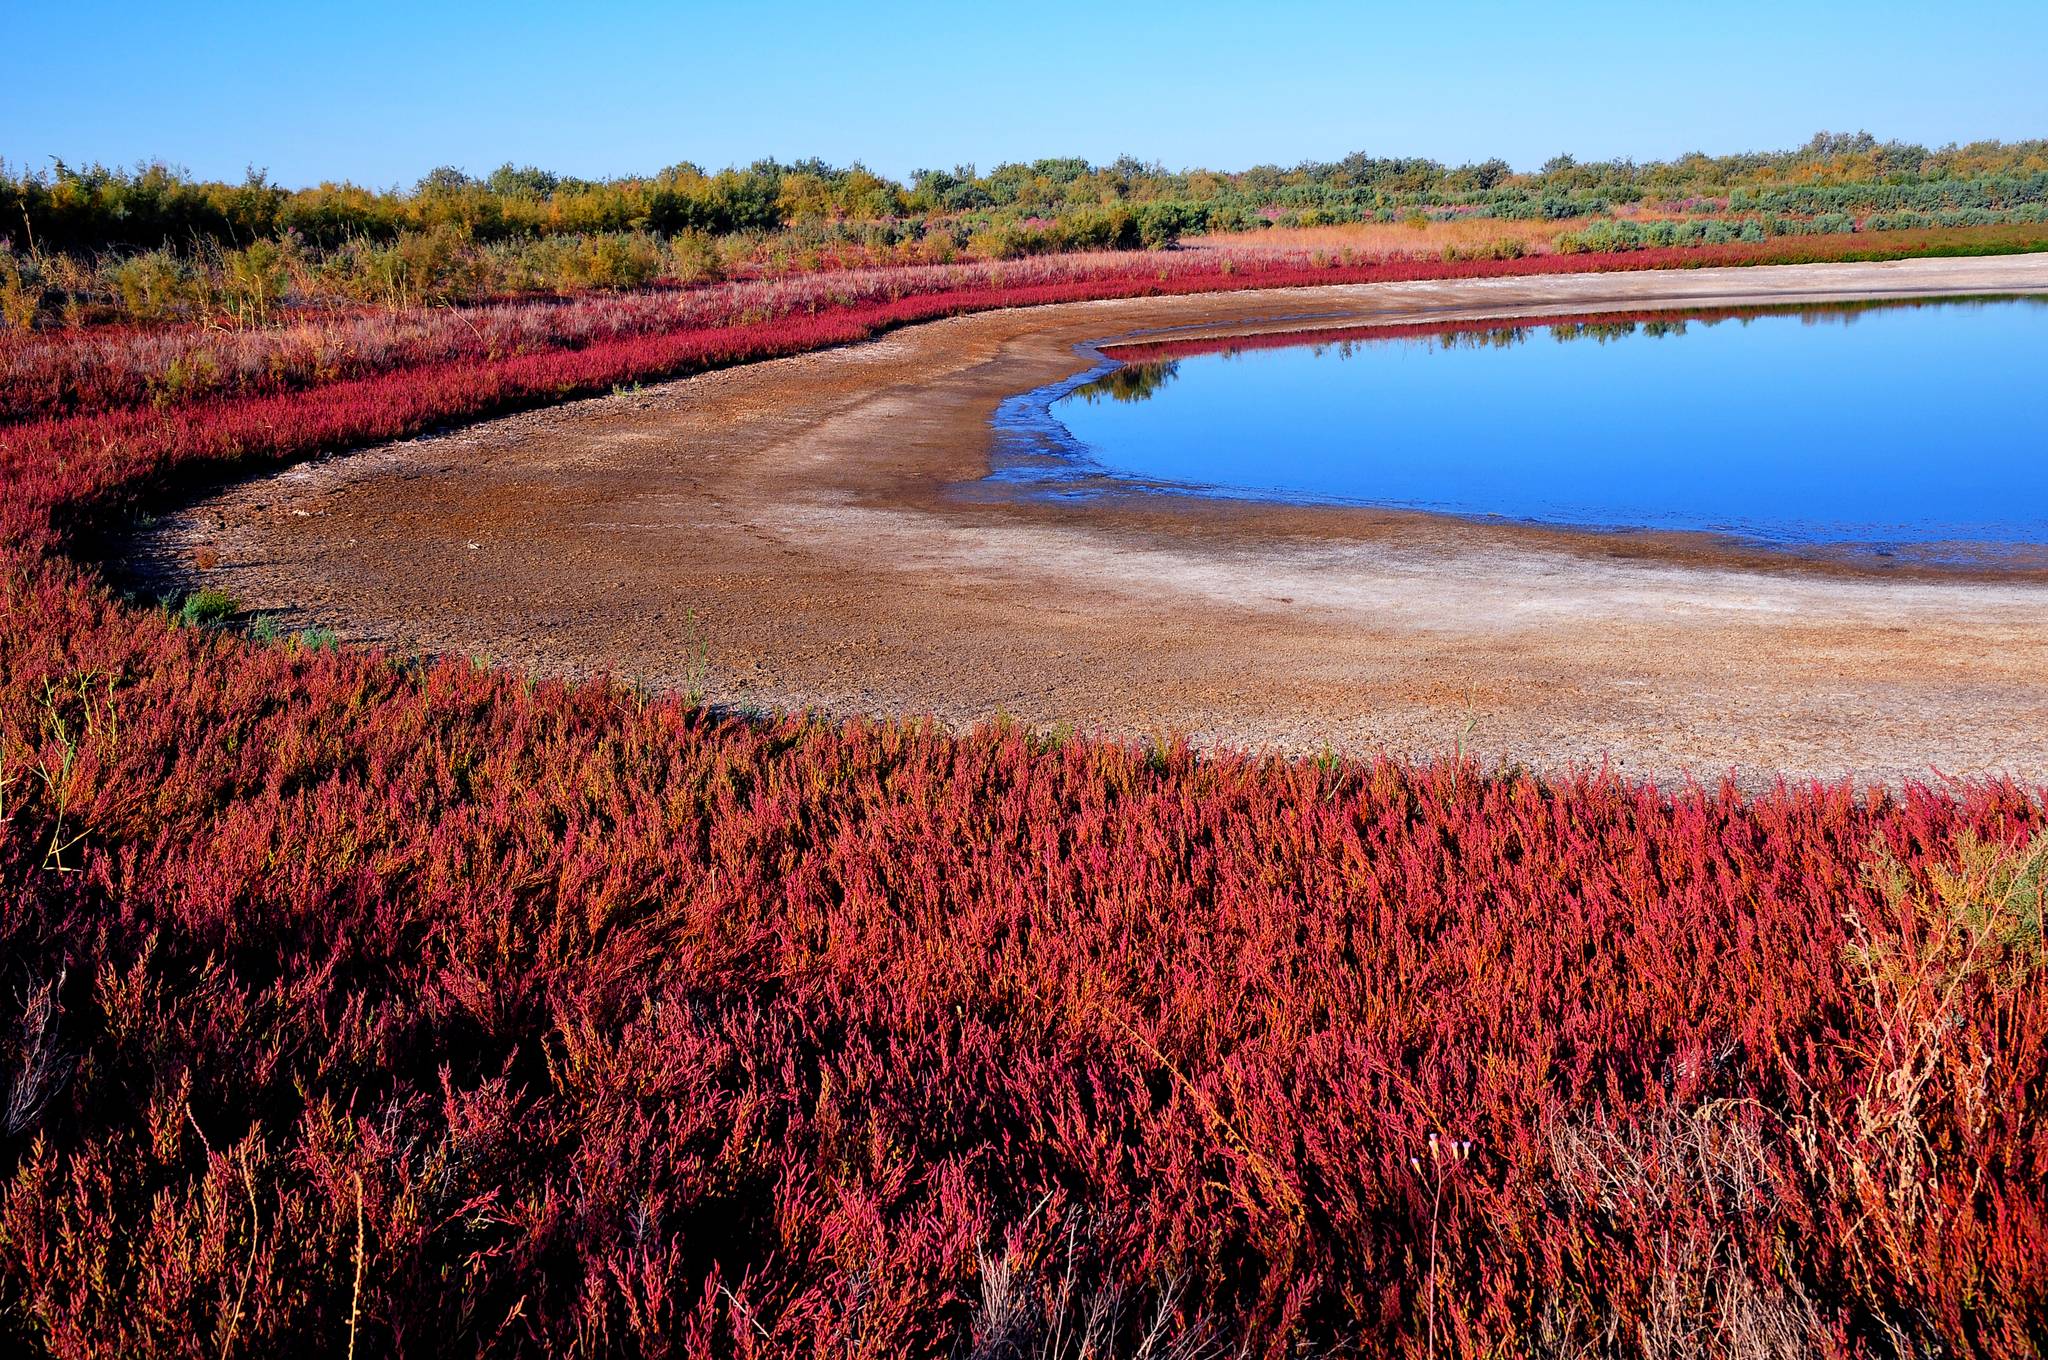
358, 1003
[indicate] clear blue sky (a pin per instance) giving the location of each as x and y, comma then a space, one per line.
379, 92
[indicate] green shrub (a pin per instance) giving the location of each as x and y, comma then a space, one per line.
206, 608
21, 290
151, 286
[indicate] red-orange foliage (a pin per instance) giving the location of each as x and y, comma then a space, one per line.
352, 1001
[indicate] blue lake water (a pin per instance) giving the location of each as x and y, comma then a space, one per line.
1898, 425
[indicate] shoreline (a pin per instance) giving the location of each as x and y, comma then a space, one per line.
1034, 454
808, 533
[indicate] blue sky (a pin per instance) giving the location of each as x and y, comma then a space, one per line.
380, 92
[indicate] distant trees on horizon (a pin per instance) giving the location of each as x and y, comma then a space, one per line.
70, 208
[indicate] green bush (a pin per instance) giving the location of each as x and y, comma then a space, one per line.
206, 609
256, 279
21, 290
152, 286
694, 258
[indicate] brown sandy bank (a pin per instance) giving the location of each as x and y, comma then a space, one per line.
807, 532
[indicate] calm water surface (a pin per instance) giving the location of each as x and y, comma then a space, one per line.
1901, 425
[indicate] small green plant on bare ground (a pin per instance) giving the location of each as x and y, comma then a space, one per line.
205, 608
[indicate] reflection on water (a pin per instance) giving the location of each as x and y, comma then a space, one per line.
1129, 382
1873, 424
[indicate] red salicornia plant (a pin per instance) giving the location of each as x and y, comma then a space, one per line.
357, 1004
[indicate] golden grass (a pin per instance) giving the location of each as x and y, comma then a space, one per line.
1380, 238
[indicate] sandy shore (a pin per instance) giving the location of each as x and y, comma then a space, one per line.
809, 532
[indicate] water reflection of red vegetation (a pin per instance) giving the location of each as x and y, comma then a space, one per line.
1147, 351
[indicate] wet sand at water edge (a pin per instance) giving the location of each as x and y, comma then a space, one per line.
814, 533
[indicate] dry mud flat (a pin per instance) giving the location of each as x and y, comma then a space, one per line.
808, 533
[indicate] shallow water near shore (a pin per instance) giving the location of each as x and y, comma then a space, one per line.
1912, 429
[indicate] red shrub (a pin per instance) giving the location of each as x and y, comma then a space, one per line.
364, 1004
